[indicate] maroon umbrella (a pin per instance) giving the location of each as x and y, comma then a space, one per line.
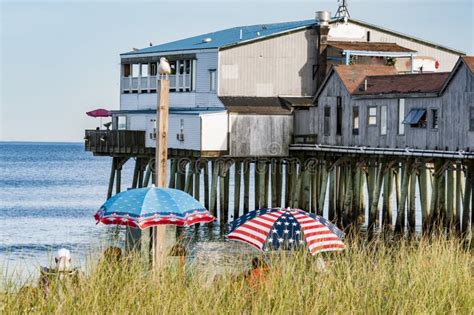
100, 112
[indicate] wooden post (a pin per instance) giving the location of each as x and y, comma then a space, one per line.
315, 189
348, 196
225, 200
423, 188
237, 179
458, 197
136, 170
162, 233
322, 193
141, 171
340, 195
412, 204
298, 184
256, 184
215, 173
206, 185
467, 200
118, 182
274, 167
261, 184
112, 177
197, 182
288, 188
373, 214
279, 183
174, 168
267, 169
332, 193
246, 186
188, 187
400, 222
149, 168
450, 212
356, 197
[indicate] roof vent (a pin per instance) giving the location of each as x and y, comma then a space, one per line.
323, 17
207, 40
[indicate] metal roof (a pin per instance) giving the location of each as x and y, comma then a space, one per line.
227, 37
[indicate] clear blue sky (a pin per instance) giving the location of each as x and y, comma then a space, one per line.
60, 59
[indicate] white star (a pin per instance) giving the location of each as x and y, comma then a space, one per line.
297, 232
270, 240
294, 224
278, 223
286, 223
274, 230
290, 240
286, 231
280, 240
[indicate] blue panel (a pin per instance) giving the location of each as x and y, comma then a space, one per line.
225, 37
414, 116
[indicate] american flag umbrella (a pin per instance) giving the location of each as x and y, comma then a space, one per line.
145, 207
267, 229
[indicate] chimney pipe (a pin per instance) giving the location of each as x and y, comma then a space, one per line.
322, 30
365, 85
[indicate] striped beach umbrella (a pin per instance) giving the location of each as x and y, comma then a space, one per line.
287, 229
145, 207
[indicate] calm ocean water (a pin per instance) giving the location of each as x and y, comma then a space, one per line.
48, 195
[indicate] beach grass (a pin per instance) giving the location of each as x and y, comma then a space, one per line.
418, 277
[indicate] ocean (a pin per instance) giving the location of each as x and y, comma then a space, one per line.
49, 193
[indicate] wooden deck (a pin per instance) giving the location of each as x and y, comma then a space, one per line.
113, 142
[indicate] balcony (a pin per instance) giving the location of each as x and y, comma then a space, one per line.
108, 142
178, 83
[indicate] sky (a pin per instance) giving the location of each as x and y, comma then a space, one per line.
59, 59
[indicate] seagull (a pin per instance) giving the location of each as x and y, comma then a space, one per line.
164, 66
151, 44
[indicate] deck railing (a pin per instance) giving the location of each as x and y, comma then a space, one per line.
305, 139
115, 141
178, 82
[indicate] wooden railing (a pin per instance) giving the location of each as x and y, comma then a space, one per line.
115, 141
178, 83
305, 139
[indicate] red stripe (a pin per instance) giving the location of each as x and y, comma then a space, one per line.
268, 226
321, 240
318, 233
253, 228
329, 246
255, 237
245, 241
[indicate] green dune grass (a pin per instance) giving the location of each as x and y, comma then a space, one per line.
422, 277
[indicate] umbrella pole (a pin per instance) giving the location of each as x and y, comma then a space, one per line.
163, 235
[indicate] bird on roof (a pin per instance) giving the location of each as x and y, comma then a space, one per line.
151, 44
164, 66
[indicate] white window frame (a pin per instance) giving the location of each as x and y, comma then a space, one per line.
212, 80
369, 116
383, 120
401, 116
119, 124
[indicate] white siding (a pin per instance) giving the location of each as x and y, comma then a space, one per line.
202, 97
191, 131
214, 129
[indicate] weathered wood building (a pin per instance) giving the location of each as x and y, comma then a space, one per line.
243, 99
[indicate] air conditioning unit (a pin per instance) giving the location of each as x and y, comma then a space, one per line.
180, 136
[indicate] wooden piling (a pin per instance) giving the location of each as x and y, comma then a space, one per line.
423, 189
197, 182
206, 185
274, 168
237, 179
246, 186
467, 199
322, 193
213, 201
332, 196
387, 214
261, 184
189, 184
173, 171
112, 177
373, 213
459, 177
412, 203
149, 168
450, 212
401, 209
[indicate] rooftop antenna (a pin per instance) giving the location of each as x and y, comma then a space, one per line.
342, 11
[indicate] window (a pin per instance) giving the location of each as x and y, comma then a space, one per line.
471, 118
372, 116
153, 69
383, 120
126, 70
434, 119
339, 116
182, 75
121, 122
401, 116
144, 67
327, 121
368, 36
416, 118
135, 70
212, 78
355, 120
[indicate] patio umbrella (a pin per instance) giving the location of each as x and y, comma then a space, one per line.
288, 229
100, 112
145, 207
